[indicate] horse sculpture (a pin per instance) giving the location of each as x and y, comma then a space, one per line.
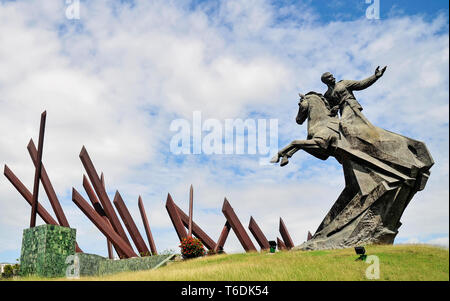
383, 171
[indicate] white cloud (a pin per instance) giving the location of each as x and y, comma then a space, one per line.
114, 80
440, 241
412, 240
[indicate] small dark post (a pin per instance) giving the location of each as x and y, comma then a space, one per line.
191, 205
361, 251
281, 245
102, 225
130, 225
147, 227
196, 230
223, 237
285, 235
273, 246
175, 218
37, 174
258, 234
237, 227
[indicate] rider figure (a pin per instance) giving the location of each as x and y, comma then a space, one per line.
340, 95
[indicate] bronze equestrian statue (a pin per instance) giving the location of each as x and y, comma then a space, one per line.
383, 170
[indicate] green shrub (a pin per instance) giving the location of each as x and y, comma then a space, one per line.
16, 269
8, 271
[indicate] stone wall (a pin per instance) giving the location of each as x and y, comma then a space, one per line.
94, 265
45, 249
89, 264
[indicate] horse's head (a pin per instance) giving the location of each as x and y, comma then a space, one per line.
302, 114
312, 104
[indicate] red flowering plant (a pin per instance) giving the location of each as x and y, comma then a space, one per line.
191, 247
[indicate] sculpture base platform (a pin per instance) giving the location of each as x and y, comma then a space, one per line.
95, 265
45, 249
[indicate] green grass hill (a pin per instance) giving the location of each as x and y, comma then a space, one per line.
396, 262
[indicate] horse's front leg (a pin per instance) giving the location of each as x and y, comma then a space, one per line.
291, 152
301, 144
281, 153
292, 148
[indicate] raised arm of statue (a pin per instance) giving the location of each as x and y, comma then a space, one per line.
365, 83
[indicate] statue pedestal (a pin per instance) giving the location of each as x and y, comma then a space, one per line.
45, 249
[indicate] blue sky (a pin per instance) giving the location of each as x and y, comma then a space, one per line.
116, 78
337, 10
348, 10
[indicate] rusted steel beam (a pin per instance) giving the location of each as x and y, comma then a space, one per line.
102, 195
108, 243
223, 237
130, 225
49, 190
196, 230
258, 234
51, 194
285, 235
151, 242
109, 246
37, 173
46, 217
93, 197
102, 179
309, 236
237, 227
191, 205
99, 209
175, 217
281, 245
100, 223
